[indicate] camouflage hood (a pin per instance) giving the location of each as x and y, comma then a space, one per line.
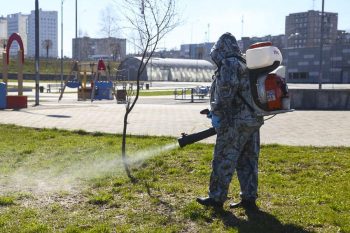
225, 47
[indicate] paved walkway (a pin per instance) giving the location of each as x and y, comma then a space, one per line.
165, 116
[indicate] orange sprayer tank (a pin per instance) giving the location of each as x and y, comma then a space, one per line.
274, 93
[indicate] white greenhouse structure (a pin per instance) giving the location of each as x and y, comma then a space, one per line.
167, 69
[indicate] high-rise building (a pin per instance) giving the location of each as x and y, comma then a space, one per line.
48, 34
3, 33
302, 54
18, 23
87, 48
304, 29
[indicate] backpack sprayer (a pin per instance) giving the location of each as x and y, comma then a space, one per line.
269, 90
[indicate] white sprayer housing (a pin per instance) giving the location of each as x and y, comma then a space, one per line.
268, 87
262, 55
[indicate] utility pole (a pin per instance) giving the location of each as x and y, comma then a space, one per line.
320, 76
208, 34
76, 19
37, 74
77, 50
242, 32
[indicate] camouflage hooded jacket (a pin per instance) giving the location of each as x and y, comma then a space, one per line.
230, 90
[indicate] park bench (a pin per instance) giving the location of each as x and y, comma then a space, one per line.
199, 93
131, 85
53, 86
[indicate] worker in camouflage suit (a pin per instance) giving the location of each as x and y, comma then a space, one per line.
237, 126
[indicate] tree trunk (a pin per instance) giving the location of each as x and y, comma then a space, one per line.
125, 162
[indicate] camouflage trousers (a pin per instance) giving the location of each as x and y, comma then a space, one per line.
237, 148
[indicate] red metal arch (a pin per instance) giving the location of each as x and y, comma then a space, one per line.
101, 65
14, 37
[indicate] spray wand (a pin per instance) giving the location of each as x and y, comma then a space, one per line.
187, 139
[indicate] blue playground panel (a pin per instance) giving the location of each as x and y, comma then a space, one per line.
2, 95
73, 84
103, 90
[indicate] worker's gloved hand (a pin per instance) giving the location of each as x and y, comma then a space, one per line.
209, 114
215, 120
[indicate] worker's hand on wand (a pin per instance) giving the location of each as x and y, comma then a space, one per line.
209, 115
215, 120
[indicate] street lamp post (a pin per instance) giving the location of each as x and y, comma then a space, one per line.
37, 74
62, 44
321, 49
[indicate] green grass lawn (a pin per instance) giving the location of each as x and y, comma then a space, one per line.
156, 92
60, 181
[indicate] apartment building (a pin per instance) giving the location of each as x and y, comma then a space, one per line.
111, 48
18, 23
3, 33
48, 34
303, 29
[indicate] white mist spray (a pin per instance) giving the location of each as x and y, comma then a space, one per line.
70, 179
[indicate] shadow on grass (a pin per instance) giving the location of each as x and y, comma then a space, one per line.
258, 221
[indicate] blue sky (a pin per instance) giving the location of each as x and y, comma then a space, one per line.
202, 20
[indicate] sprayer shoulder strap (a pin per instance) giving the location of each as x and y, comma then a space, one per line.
245, 102
241, 59
239, 94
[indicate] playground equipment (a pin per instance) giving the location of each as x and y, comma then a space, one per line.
72, 83
13, 101
84, 91
78, 78
102, 89
2, 95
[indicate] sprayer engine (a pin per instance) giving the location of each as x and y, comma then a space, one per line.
273, 92
266, 75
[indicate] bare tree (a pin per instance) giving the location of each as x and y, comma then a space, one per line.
108, 22
47, 45
152, 20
